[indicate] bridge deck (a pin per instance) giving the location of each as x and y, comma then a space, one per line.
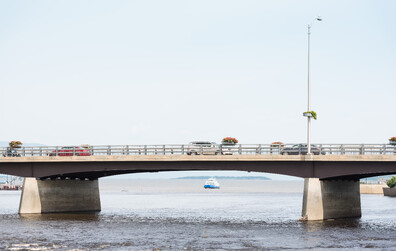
202, 158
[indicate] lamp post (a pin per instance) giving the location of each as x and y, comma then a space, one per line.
309, 85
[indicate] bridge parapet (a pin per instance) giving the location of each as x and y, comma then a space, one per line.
238, 149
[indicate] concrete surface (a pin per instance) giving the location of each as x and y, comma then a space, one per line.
56, 196
177, 157
389, 191
330, 199
372, 188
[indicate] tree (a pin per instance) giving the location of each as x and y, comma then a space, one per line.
392, 182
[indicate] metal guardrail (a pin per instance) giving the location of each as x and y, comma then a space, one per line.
285, 149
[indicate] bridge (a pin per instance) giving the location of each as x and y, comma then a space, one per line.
65, 179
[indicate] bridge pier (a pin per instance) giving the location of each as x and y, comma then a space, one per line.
59, 196
331, 199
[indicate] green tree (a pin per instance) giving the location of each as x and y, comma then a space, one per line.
392, 182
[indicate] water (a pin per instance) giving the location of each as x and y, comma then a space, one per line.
181, 215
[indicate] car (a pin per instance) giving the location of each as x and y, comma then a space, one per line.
301, 149
11, 152
71, 151
202, 147
227, 149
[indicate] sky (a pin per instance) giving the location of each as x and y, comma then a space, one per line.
170, 72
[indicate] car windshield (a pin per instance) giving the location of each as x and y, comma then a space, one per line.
304, 145
201, 143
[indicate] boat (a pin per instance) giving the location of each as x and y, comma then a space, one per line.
212, 183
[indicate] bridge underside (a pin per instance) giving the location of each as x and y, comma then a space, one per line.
324, 170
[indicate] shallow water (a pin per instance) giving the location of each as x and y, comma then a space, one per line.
181, 215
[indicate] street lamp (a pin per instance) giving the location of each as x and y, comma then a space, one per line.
309, 85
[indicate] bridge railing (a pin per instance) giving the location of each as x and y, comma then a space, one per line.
252, 149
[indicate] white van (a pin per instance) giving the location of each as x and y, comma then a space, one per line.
203, 147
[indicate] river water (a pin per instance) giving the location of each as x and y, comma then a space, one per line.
181, 215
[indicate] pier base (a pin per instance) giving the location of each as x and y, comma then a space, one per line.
331, 199
59, 196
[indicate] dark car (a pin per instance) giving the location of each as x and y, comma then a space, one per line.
71, 151
11, 152
301, 149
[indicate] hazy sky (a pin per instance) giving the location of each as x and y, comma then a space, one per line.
155, 72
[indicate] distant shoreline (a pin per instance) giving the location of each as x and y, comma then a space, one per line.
222, 178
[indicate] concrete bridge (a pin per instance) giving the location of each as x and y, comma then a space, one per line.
70, 183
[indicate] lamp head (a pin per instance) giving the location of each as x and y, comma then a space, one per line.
319, 18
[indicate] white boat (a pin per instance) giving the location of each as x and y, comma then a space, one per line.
212, 183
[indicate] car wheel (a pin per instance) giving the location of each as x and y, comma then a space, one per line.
77, 154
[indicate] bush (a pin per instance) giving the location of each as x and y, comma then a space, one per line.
392, 182
230, 140
15, 144
277, 144
313, 113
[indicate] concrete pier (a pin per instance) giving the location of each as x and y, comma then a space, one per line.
331, 199
59, 196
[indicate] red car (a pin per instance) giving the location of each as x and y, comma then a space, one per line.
69, 150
